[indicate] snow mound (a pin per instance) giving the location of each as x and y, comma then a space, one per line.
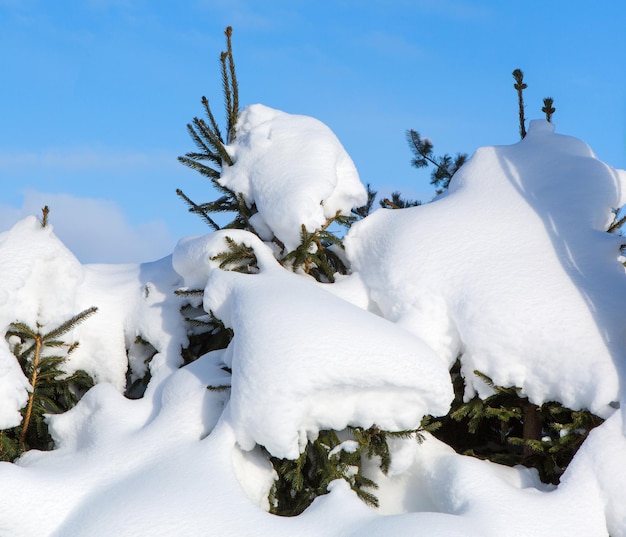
327, 364
38, 281
294, 169
512, 269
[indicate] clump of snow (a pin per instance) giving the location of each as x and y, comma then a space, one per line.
512, 269
294, 169
344, 365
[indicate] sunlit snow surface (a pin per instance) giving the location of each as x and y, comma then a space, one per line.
511, 269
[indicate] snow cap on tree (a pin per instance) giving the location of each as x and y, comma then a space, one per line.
294, 169
513, 269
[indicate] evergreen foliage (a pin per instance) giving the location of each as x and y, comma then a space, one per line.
444, 167
211, 155
520, 86
508, 429
322, 461
315, 256
41, 356
358, 213
238, 257
398, 202
548, 108
205, 332
331, 456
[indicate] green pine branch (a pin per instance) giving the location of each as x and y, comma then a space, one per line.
238, 257
444, 166
359, 213
314, 254
211, 156
508, 429
398, 202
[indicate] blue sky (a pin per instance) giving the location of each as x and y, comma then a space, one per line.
95, 95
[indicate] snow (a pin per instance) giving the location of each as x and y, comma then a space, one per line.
344, 365
511, 269
294, 169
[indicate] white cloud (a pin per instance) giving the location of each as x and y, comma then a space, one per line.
80, 159
95, 230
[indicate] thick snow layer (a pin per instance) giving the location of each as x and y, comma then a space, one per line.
294, 169
328, 364
512, 269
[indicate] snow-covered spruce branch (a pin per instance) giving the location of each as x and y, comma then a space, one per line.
52, 389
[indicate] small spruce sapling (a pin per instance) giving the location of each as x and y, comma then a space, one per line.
520, 86
41, 356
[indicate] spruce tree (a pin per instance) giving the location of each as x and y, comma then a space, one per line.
505, 427
322, 460
315, 255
